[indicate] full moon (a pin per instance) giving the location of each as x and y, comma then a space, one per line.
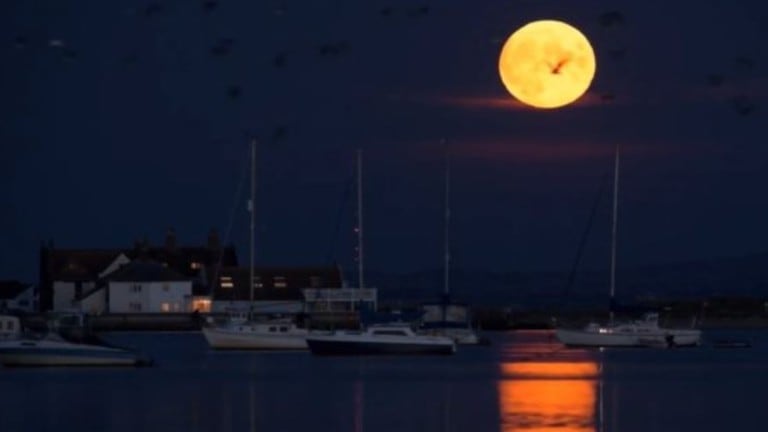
547, 64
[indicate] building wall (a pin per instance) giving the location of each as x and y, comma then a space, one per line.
142, 297
64, 294
267, 306
95, 303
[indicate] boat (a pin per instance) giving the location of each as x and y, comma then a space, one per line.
251, 332
380, 339
256, 335
447, 318
645, 332
57, 349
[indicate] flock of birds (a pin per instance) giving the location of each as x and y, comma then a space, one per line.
740, 102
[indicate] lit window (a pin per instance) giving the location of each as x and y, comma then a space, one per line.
165, 307
194, 265
279, 282
226, 282
201, 305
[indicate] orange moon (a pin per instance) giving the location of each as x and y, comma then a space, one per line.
547, 64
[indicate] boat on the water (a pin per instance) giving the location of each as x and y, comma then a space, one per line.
56, 349
255, 335
645, 332
640, 333
385, 339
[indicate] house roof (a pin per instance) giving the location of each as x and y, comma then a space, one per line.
10, 289
274, 283
145, 271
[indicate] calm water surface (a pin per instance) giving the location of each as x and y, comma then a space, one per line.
525, 381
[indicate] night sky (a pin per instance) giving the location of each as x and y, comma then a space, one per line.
121, 119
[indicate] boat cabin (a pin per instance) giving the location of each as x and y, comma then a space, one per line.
10, 327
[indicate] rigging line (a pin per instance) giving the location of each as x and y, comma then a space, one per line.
228, 231
344, 199
585, 234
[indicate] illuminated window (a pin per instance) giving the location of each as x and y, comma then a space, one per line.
279, 282
194, 265
201, 305
226, 282
165, 307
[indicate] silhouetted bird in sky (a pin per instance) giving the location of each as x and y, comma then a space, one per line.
234, 91
209, 5
617, 53
222, 47
333, 49
151, 9
744, 62
421, 10
279, 133
611, 19
20, 42
279, 60
743, 105
715, 80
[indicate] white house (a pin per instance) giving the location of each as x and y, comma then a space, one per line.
79, 278
146, 286
18, 296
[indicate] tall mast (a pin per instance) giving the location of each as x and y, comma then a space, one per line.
360, 218
251, 209
613, 229
446, 228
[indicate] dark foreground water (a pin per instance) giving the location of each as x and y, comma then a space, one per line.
523, 382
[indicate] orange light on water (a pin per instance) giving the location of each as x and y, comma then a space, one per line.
548, 397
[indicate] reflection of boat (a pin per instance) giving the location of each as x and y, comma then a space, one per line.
379, 339
58, 349
640, 333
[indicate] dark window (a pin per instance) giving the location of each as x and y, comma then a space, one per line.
283, 329
272, 329
389, 332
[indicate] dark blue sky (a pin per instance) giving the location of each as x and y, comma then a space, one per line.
126, 126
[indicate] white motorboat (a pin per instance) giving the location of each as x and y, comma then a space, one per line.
250, 335
379, 340
55, 350
641, 333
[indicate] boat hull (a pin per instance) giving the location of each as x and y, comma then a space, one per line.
228, 339
68, 355
662, 337
330, 347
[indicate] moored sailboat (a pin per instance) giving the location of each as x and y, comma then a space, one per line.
640, 333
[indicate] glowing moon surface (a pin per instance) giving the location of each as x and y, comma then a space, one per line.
547, 64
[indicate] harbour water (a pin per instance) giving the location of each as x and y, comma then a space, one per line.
524, 381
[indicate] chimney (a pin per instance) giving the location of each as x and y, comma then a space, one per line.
213, 240
170, 240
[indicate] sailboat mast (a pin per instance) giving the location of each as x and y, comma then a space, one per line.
613, 228
446, 228
360, 218
251, 209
